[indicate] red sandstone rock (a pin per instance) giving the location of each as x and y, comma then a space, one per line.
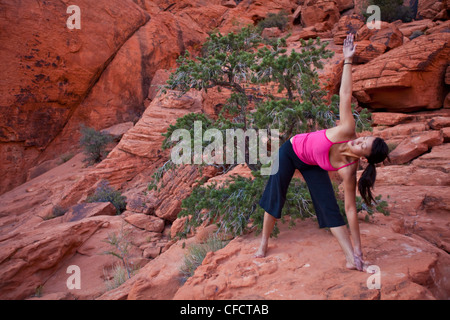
146, 222
347, 24
36, 254
419, 25
447, 76
390, 118
367, 50
284, 274
393, 79
440, 27
120, 92
416, 196
251, 12
305, 34
446, 134
430, 9
314, 12
86, 210
173, 188
414, 263
24, 207
439, 122
159, 79
50, 70
118, 130
388, 35
415, 146
158, 280
447, 101
404, 129
274, 32
344, 4
399, 175
436, 159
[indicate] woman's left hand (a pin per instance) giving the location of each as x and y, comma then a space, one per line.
349, 48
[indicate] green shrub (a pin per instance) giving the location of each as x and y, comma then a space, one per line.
94, 144
106, 193
235, 204
278, 20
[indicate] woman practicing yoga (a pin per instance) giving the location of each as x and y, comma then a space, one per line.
316, 153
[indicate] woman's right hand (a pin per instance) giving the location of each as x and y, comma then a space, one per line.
359, 263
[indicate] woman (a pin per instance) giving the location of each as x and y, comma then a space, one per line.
316, 153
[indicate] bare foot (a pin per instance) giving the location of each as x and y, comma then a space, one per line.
261, 253
362, 265
350, 266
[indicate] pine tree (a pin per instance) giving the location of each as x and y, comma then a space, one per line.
242, 62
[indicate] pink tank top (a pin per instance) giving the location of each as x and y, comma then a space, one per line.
313, 148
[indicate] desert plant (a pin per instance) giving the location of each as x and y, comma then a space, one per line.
119, 276
94, 144
105, 193
120, 245
233, 206
278, 20
197, 253
38, 291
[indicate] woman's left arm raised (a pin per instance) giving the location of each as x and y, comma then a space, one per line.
347, 122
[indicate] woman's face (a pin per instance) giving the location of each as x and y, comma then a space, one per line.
361, 146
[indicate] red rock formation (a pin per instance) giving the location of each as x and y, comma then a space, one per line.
68, 185
389, 35
419, 25
431, 9
49, 69
319, 12
307, 263
407, 78
36, 254
119, 93
347, 24
82, 86
110, 76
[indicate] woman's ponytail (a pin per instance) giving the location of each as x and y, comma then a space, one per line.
366, 182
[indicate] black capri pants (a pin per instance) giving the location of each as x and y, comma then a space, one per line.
319, 185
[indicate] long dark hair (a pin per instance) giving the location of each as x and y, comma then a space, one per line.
378, 154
